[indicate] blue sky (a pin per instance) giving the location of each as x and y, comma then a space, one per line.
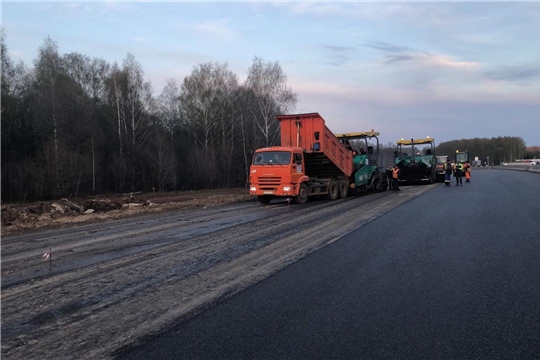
449, 70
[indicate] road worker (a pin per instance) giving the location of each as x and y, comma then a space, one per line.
459, 173
448, 169
467, 170
395, 177
389, 171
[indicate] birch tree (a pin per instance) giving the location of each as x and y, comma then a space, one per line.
16, 130
169, 114
196, 99
49, 68
272, 97
168, 106
138, 102
90, 74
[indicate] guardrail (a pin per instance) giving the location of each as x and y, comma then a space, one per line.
532, 168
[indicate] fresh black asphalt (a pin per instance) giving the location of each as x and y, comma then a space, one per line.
452, 274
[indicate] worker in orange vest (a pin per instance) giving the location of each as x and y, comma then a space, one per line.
467, 169
395, 177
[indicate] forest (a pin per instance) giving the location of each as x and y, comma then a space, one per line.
75, 125
495, 150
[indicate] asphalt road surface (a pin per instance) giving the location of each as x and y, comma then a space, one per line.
451, 274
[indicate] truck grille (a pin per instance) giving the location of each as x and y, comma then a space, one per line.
270, 180
269, 183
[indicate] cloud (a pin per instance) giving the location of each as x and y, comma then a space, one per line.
82, 10
398, 58
316, 9
322, 91
517, 73
477, 39
386, 47
400, 54
216, 29
432, 60
339, 49
338, 55
396, 113
420, 14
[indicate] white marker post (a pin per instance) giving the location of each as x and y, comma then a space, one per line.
48, 256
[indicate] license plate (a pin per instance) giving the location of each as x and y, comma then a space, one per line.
268, 192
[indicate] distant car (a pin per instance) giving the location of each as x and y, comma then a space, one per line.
504, 164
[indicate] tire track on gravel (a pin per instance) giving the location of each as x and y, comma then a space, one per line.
94, 311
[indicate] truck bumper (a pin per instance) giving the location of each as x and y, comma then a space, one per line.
279, 190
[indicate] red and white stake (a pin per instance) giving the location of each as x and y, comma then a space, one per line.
48, 256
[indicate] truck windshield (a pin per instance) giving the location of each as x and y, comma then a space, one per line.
272, 157
442, 159
462, 157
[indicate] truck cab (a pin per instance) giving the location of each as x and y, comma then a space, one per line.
441, 170
276, 171
462, 157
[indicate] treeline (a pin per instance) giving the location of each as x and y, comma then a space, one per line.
498, 150
74, 125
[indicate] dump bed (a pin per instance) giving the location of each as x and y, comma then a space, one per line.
325, 155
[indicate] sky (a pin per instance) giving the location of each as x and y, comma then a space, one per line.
448, 70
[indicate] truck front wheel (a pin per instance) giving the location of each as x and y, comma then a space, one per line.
264, 199
302, 196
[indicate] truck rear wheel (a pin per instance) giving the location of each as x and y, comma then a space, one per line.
332, 190
343, 189
302, 196
265, 199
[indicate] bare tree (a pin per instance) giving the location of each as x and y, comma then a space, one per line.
163, 161
272, 97
73, 116
206, 99
49, 68
116, 86
16, 132
139, 101
169, 115
90, 75
168, 106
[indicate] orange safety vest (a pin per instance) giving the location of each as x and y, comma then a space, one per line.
395, 173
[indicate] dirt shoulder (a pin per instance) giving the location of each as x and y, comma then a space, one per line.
18, 219
111, 287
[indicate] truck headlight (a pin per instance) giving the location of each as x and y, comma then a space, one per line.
286, 188
252, 188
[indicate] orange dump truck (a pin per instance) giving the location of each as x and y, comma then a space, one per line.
311, 161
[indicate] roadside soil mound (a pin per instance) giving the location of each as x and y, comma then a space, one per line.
21, 218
